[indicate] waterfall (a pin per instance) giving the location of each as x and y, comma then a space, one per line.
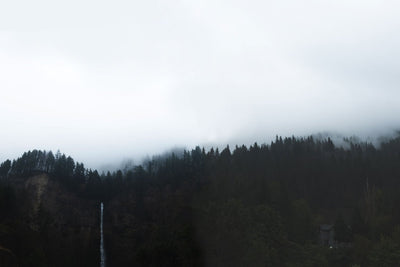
102, 254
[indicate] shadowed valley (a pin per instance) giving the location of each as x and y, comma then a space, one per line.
294, 202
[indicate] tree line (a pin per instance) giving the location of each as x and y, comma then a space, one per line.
260, 205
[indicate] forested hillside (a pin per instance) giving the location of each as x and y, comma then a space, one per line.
262, 205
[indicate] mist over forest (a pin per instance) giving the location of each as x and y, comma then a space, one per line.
199, 133
297, 201
133, 79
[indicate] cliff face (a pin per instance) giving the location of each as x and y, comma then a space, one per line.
53, 226
36, 186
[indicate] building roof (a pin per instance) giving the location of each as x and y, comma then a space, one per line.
326, 227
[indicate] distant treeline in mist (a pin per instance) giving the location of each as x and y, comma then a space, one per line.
263, 205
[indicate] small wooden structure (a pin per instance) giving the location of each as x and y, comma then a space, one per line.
327, 235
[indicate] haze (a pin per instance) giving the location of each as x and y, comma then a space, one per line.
108, 80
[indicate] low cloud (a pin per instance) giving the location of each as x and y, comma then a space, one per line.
105, 82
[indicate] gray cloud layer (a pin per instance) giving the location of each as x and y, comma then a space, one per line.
105, 80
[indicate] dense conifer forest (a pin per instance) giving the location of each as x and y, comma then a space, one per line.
263, 205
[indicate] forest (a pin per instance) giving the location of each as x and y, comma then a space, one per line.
297, 201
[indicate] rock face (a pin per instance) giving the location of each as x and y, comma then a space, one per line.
36, 186
56, 225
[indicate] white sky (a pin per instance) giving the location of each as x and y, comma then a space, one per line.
107, 80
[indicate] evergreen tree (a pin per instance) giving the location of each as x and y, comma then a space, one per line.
5, 168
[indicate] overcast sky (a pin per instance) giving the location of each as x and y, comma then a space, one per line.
107, 80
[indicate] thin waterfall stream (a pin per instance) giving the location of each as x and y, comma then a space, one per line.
102, 254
